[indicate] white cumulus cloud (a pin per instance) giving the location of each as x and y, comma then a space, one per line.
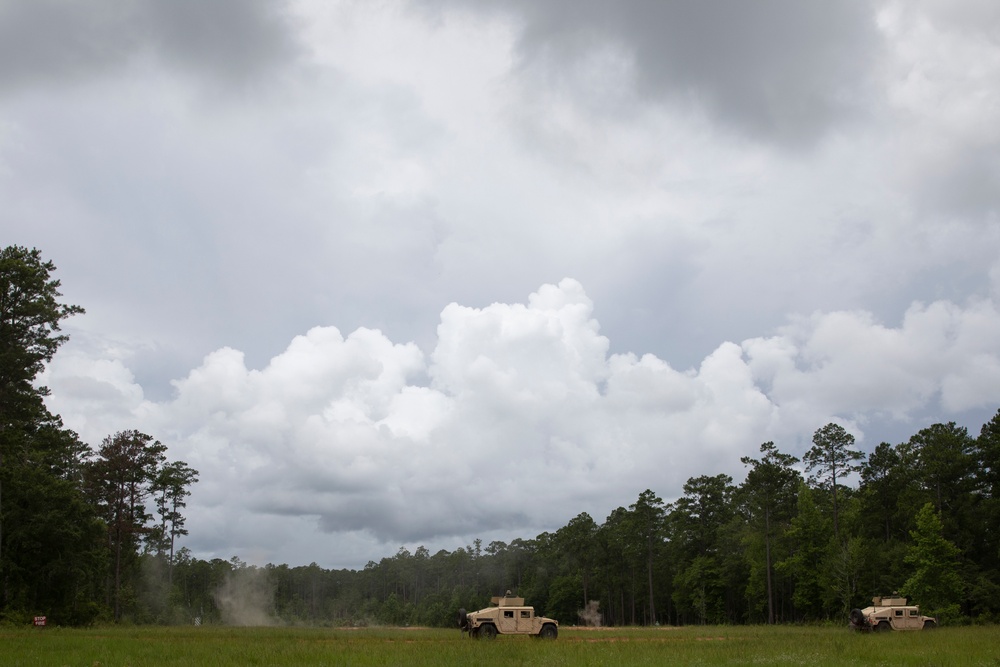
519, 419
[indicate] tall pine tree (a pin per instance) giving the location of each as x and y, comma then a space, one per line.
47, 531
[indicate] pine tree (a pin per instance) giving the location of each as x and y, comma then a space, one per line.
770, 493
832, 457
120, 480
46, 529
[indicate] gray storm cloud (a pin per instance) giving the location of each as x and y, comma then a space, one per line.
781, 70
304, 233
63, 42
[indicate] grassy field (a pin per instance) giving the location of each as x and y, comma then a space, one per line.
137, 647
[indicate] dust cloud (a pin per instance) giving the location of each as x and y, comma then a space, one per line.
591, 616
246, 598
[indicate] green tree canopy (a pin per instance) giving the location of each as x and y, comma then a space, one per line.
831, 458
769, 494
33, 444
30, 315
946, 469
935, 581
647, 521
120, 479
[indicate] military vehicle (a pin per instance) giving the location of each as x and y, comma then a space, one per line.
890, 613
507, 615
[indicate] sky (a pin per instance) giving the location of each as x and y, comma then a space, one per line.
396, 273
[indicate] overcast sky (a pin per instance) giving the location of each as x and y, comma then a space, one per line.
398, 273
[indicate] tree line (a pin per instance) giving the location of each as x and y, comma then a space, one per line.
797, 541
89, 534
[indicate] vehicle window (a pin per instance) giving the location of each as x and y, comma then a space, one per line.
913, 612
508, 614
525, 614
899, 612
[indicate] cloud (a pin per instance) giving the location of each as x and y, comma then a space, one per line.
779, 70
941, 71
233, 39
783, 215
229, 40
379, 158
850, 365
518, 419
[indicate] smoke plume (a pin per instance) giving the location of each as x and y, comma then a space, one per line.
591, 616
246, 597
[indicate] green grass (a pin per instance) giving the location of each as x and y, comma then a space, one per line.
755, 645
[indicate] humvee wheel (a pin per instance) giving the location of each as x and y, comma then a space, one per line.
488, 631
929, 625
549, 631
883, 626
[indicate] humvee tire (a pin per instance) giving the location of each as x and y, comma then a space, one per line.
549, 631
929, 625
883, 626
488, 631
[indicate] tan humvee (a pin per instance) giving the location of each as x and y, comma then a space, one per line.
508, 615
891, 613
